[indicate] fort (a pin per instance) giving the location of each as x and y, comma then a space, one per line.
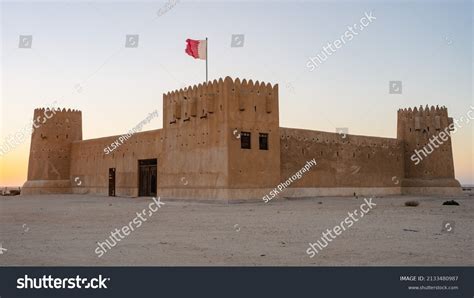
223, 140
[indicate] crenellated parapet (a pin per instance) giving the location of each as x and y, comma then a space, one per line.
63, 110
423, 111
247, 94
423, 119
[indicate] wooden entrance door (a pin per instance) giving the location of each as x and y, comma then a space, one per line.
147, 177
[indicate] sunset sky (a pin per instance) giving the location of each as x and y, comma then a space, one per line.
79, 59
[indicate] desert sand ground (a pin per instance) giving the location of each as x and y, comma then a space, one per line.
64, 230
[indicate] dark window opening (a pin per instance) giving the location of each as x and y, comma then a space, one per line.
111, 182
245, 140
263, 141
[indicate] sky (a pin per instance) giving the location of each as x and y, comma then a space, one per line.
78, 58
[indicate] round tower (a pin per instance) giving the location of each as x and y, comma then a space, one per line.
54, 130
426, 134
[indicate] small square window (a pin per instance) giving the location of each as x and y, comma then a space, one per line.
263, 141
245, 140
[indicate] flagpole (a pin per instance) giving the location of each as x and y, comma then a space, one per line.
207, 58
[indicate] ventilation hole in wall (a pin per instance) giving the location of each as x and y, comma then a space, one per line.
255, 108
57, 137
67, 136
337, 153
220, 107
353, 155
321, 153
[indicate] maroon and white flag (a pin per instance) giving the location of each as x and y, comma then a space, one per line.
196, 48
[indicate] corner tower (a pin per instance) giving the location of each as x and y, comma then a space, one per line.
54, 130
429, 165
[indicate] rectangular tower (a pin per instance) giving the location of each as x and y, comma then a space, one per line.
428, 152
220, 139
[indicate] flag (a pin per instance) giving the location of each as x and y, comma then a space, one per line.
196, 48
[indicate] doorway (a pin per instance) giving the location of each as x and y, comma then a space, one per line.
147, 181
112, 182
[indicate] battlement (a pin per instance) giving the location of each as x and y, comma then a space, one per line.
422, 120
57, 110
218, 84
224, 95
426, 111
